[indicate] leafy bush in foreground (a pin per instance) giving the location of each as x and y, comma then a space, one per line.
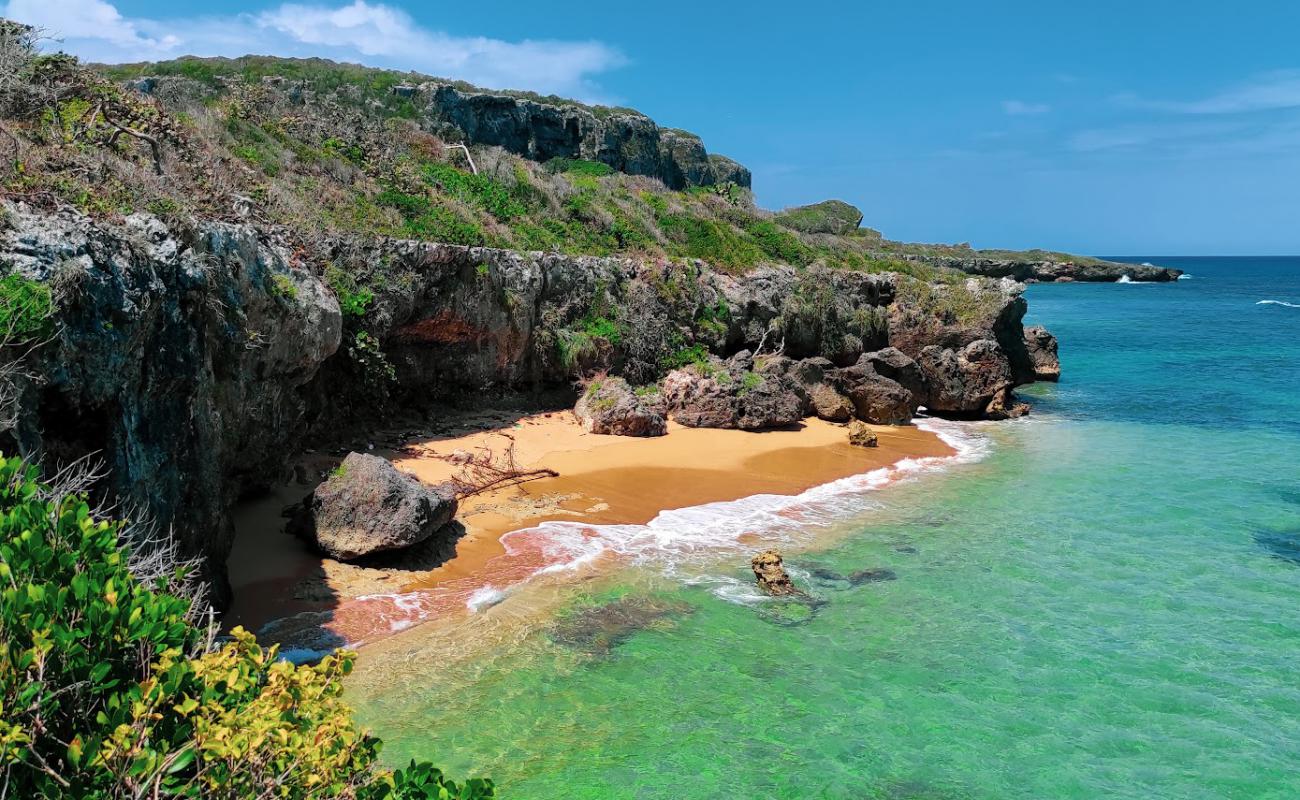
108, 688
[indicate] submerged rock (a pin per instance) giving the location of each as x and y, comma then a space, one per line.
599, 629
610, 406
871, 575
770, 574
367, 506
861, 435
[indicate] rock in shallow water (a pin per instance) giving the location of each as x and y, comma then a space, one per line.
771, 576
597, 630
367, 506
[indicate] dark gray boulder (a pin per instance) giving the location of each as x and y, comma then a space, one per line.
718, 394
965, 381
880, 400
897, 366
367, 506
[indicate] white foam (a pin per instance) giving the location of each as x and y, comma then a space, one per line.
483, 598
1277, 303
1184, 277
678, 538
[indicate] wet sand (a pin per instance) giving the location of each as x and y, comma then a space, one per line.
602, 480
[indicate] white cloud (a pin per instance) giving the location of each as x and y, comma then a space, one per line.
370, 33
1019, 108
1265, 92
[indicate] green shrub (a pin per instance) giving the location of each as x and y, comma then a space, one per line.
710, 240
686, 356
478, 190
107, 689
282, 286
580, 166
353, 298
779, 245
26, 309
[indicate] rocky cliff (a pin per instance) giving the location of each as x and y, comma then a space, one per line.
1025, 269
627, 141
538, 128
196, 359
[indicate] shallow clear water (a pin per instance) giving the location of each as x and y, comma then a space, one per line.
1106, 605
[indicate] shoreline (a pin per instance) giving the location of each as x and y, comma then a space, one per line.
606, 484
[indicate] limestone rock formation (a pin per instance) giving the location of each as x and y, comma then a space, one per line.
861, 435
965, 379
199, 358
535, 128
770, 574
880, 400
1048, 270
727, 394
367, 506
610, 406
1043, 356
830, 405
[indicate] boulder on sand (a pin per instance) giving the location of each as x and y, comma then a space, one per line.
861, 435
610, 406
367, 506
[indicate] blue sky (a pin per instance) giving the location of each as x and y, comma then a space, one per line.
1106, 127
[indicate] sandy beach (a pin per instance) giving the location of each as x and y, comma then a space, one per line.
602, 480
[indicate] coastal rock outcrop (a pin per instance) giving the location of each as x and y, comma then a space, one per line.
718, 394
830, 405
1049, 270
610, 406
541, 130
967, 378
770, 574
367, 506
1043, 356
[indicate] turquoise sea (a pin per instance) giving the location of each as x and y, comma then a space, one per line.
1099, 601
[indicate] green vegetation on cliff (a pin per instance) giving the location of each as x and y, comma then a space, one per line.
111, 685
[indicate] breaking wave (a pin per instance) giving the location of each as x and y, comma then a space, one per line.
1277, 303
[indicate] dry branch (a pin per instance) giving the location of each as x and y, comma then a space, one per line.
485, 470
